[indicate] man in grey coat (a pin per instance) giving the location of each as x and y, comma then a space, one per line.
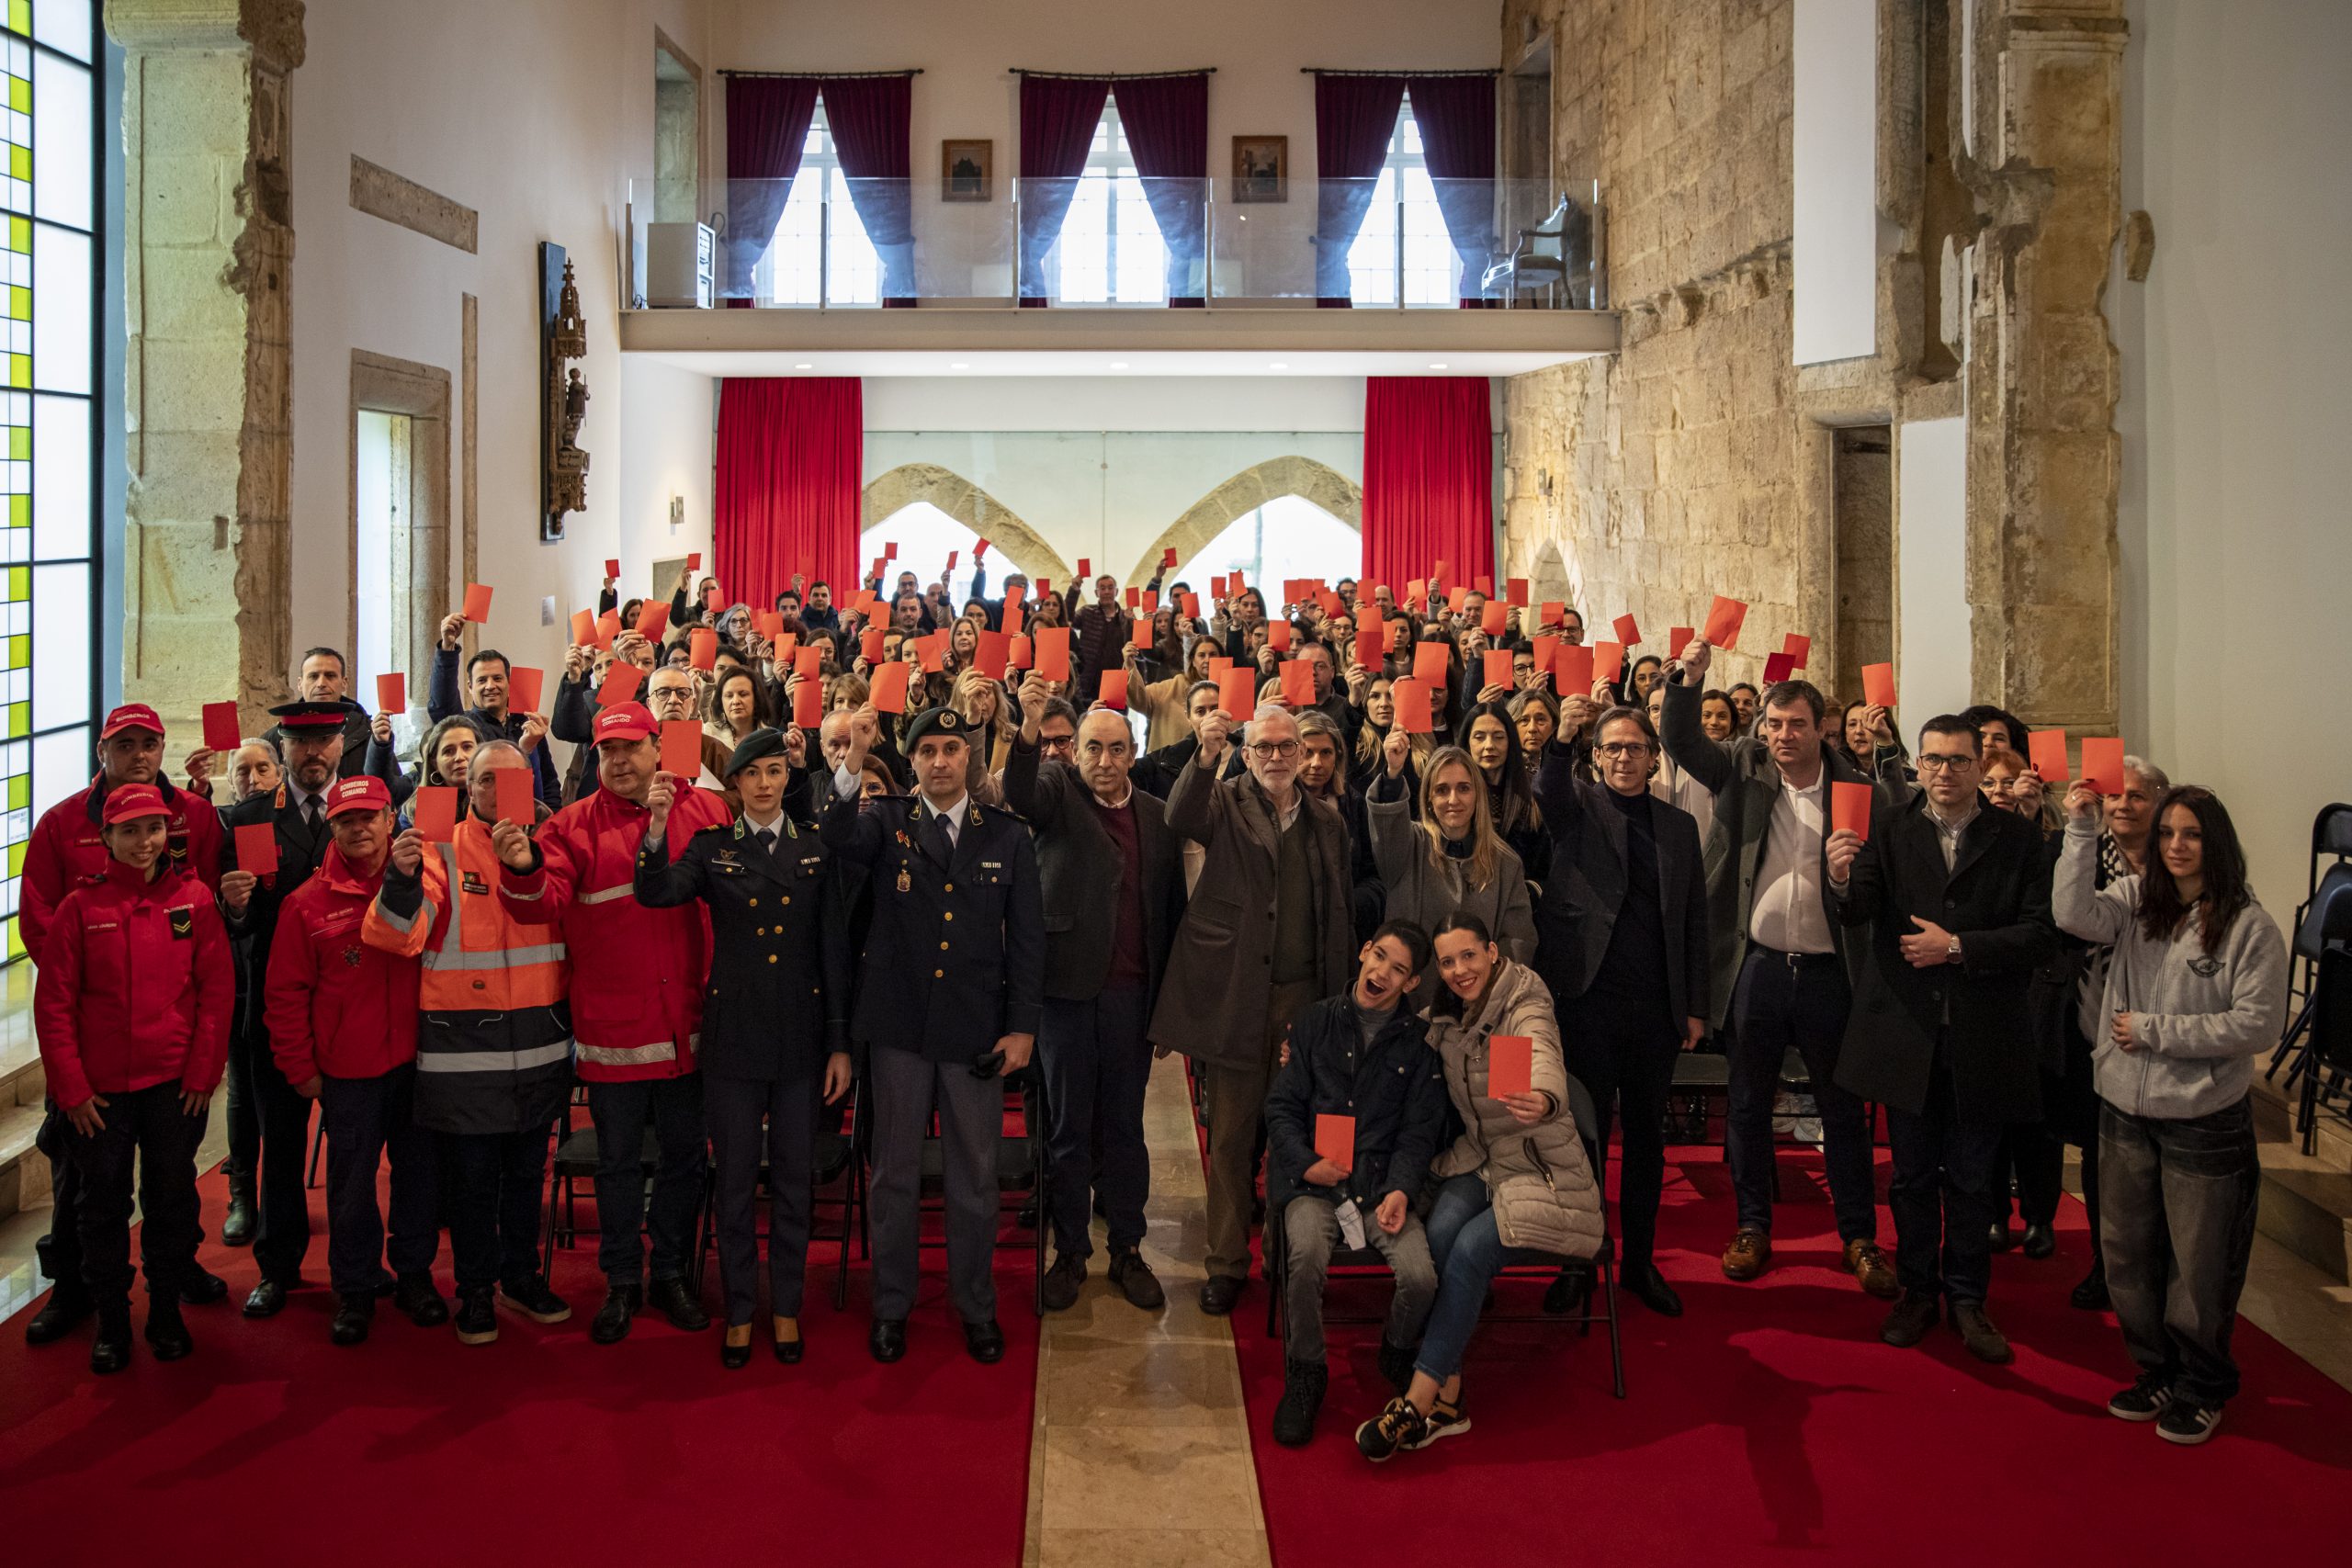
1267, 930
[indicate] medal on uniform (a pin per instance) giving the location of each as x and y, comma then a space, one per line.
905, 885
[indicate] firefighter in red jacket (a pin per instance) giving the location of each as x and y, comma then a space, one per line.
342, 1021
637, 981
131, 1007
65, 850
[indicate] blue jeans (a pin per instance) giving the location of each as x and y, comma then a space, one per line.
1468, 1251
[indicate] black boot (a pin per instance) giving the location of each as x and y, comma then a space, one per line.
237, 1230
67, 1305
1647, 1286
1303, 1386
166, 1329
110, 1352
611, 1324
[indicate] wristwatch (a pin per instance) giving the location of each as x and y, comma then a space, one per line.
1951, 954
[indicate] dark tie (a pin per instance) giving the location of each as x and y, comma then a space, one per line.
947, 837
310, 813
766, 836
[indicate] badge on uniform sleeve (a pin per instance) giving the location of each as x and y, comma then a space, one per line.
474, 882
183, 922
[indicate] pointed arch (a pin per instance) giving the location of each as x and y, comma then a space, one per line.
1021, 547
1318, 483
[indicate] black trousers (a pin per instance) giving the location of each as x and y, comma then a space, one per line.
368, 1119
146, 1126
1942, 1196
60, 1252
244, 1113
489, 1182
622, 1111
735, 1109
1633, 1067
1775, 1005
1097, 1065
285, 1122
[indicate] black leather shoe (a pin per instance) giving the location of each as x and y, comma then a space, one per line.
110, 1352
1571, 1291
237, 1230
1647, 1286
1136, 1281
985, 1341
2091, 1294
202, 1288
2001, 1237
2039, 1242
353, 1316
889, 1338
1027, 1218
732, 1356
611, 1324
416, 1296
268, 1300
60, 1316
674, 1299
1220, 1292
167, 1332
1058, 1290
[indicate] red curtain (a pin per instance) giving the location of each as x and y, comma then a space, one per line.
871, 118
1354, 118
791, 455
1058, 115
1456, 117
767, 125
1427, 478
1166, 120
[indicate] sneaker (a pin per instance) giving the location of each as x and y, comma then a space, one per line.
2144, 1401
531, 1297
1749, 1251
1398, 1427
1871, 1270
1442, 1421
1303, 1383
477, 1317
1136, 1281
1058, 1290
2187, 1423
1396, 1364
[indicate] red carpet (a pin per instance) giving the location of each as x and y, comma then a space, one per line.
1769, 1420
270, 1445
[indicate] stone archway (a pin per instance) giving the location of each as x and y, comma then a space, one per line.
1245, 492
1021, 547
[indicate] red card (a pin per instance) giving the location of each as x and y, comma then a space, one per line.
2102, 763
979, 548
889, 693
1493, 616
257, 847
1576, 671
1429, 663
1677, 639
1045, 587
1335, 1140
1437, 574
1150, 601
1217, 587
1024, 653
1112, 692
1723, 618
1139, 634
583, 627
1457, 596
1135, 597
1778, 667
608, 626
653, 619
435, 812
1498, 669
1412, 700
477, 602
951, 558
1331, 604
1015, 592
1238, 693
1168, 558
1799, 647
620, 684
1372, 638
391, 693
1085, 568
220, 727
693, 560
1850, 807
1510, 1065
1628, 631
1484, 584
1552, 613
1412, 592
613, 567
869, 645
681, 748
890, 551
809, 704
1298, 683
1878, 685
1607, 661
513, 797
931, 653
1053, 652
1515, 591
1278, 636
769, 624
2047, 750
523, 688
1546, 653
1191, 603
1218, 665
995, 654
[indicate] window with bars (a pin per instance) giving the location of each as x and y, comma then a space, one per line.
820, 255
49, 203
1403, 242
1110, 251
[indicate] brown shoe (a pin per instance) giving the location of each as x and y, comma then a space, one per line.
1749, 1251
1867, 1264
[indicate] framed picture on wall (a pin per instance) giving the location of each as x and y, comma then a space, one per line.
966, 171
1261, 168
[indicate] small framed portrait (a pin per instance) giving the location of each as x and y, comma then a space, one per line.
966, 171
1261, 168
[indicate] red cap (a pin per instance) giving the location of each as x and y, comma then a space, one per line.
131, 715
629, 721
362, 793
134, 800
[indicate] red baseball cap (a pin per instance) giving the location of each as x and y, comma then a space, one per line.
362, 793
629, 721
131, 715
134, 800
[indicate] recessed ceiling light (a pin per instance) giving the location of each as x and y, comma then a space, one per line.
1438, 365
1278, 365
959, 365
804, 365
1118, 365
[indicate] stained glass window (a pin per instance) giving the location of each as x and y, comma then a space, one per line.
49, 203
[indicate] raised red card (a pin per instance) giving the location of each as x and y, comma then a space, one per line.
1135, 597
1298, 683
513, 801
1150, 601
1607, 661
1238, 693
1677, 639
1497, 669
1552, 613
1190, 602
951, 558
608, 626
653, 619
1515, 591
1371, 639
1799, 647
931, 652
1218, 665
1575, 671
1456, 597
523, 685
1085, 568
890, 691
702, 648
1217, 587
583, 627
869, 645
1547, 654
1850, 807
1778, 667
1429, 663
257, 848
979, 548
993, 655
1331, 604
1113, 691
787, 646
1510, 1065
1335, 1140
1139, 634
2047, 750
477, 602
1278, 636
1168, 558
1723, 618
391, 693
808, 704
222, 730
694, 560
1412, 700
712, 599
1015, 592
1024, 652
1493, 616
435, 812
2102, 763
681, 748
613, 568
1878, 685
1053, 652
1483, 584
1412, 592
620, 684
1629, 631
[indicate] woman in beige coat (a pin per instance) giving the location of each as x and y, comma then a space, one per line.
1514, 1187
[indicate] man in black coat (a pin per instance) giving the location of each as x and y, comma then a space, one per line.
1110, 879
1958, 901
948, 1000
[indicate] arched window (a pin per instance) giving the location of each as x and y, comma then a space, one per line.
1289, 536
924, 535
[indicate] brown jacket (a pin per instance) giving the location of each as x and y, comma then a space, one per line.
1218, 989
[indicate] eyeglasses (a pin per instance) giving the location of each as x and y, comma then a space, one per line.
1624, 748
1938, 760
1267, 750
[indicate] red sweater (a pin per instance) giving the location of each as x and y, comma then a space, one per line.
135, 987
335, 1005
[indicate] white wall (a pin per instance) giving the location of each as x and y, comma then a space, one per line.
2234, 529
1834, 250
1932, 670
668, 451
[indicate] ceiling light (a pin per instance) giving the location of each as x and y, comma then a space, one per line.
1438, 365
804, 365
1118, 365
959, 365
1278, 365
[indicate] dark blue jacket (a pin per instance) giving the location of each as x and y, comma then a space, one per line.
442, 702
1395, 1088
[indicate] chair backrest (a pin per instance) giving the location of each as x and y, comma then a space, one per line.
1549, 238
1588, 1116
2332, 832
2328, 916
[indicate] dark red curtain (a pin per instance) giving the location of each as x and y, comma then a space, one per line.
870, 119
1427, 478
1167, 121
1058, 115
791, 455
1354, 118
1456, 118
767, 125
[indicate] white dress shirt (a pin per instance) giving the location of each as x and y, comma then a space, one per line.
1786, 913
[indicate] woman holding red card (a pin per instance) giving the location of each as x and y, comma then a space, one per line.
1451, 858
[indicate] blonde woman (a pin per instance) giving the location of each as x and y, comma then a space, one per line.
1450, 860
1163, 703
980, 701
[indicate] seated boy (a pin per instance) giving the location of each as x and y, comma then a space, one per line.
1361, 1055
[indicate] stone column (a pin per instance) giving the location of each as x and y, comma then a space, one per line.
2044, 457
207, 241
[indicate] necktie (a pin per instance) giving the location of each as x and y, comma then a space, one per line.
766, 836
947, 834
311, 812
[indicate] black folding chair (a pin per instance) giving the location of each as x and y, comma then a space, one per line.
2323, 921
829, 1161
574, 1161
